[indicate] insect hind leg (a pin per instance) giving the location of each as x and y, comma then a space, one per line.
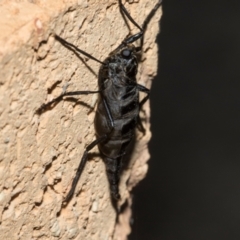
81, 167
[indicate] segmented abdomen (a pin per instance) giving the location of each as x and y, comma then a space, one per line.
124, 111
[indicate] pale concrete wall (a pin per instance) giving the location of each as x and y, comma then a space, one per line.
39, 154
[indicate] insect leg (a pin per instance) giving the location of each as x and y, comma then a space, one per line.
60, 97
75, 49
89, 147
145, 90
142, 29
81, 166
139, 121
108, 114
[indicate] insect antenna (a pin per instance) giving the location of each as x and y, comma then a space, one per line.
125, 14
140, 35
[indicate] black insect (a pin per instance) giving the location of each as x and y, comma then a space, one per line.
118, 107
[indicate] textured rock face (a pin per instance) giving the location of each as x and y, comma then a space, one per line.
39, 154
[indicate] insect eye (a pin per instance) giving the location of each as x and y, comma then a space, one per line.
126, 53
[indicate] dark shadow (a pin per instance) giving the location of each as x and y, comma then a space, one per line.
48, 107
192, 187
53, 87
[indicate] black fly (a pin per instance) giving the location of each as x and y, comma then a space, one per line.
118, 107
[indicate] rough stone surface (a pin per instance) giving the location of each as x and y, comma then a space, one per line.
39, 154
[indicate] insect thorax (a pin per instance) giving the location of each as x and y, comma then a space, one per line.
120, 67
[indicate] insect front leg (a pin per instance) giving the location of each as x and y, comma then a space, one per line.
76, 51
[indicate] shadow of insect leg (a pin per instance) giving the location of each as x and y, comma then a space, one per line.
60, 98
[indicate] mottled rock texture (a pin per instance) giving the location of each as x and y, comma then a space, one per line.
39, 154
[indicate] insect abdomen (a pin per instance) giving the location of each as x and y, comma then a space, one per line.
124, 112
